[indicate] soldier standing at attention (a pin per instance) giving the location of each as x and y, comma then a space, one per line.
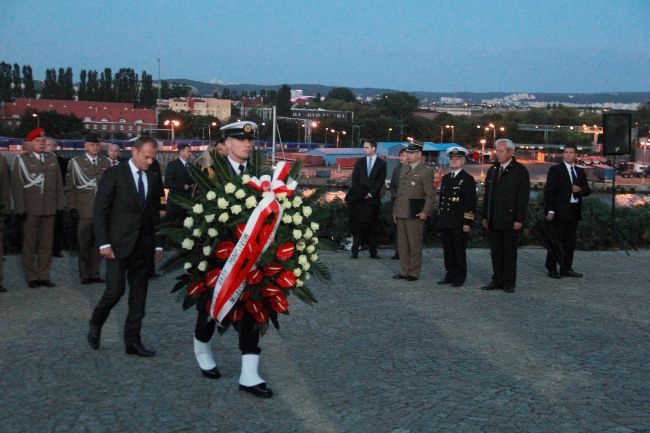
457, 212
38, 194
84, 174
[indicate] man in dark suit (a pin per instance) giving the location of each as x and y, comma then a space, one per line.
394, 184
505, 203
178, 179
457, 208
126, 215
239, 143
369, 174
566, 184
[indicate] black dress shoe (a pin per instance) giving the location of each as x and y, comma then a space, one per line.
444, 281
509, 289
33, 284
46, 283
491, 286
354, 255
456, 284
97, 280
395, 257
86, 281
573, 274
211, 374
398, 277
139, 349
375, 256
554, 274
94, 333
410, 278
2, 289
259, 390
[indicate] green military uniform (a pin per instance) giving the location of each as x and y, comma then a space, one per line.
84, 174
38, 193
414, 195
5, 196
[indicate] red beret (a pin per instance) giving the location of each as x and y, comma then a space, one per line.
35, 133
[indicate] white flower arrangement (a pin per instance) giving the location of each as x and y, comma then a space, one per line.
209, 218
300, 245
229, 188
297, 234
187, 244
187, 265
222, 203
251, 202
297, 272
188, 222
240, 194
308, 234
297, 201
245, 179
235, 209
297, 218
202, 266
207, 250
197, 233
306, 211
211, 195
212, 232
198, 208
314, 226
223, 217
311, 249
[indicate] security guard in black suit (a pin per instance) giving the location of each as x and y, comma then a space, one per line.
457, 209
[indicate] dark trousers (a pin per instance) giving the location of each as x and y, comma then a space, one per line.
454, 245
89, 257
366, 231
57, 242
133, 269
503, 250
249, 336
38, 232
566, 227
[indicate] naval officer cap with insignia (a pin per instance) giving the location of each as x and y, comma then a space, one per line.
457, 152
239, 144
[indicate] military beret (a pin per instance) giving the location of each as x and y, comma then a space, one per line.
35, 133
244, 129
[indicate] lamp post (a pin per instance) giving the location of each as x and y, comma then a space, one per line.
172, 124
210, 125
326, 131
389, 131
442, 129
453, 130
337, 137
38, 119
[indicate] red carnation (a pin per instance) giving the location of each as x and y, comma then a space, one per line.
261, 317
278, 297
286, 279
271, 269
196, 288
270, 290
280, 306
285, 251
224, 249
254, 277
212, 277
245, 295
236, 314
253, 307
239, 230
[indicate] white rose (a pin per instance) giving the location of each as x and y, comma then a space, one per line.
297, 218
297, 201
188, 222
297, 272
198, 208
207, 250
202, 266
302, 259
211, 195
222, 203
299, 283
187, 265
212, 233
287, 219
297, 234
187, 243
306, 211
251, 202
240, 194
223, 217
197, 233
314, 240
308, 234
229, 188
306, 277
281, 196
286, 204
311, 249
314, 226
245, 179
306, 266
300, 245
314, 257
235, 209
209, 218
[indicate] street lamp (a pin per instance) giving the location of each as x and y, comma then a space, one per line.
389, 131
38, 119
172, 124
453, 130
494, 131
337, 136
210, 125
326, 131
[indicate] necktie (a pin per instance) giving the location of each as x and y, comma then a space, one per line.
241, 169
500, 172
141, 196
573, 175
94, 161
453, 175
112, 163
42, 157
369, 165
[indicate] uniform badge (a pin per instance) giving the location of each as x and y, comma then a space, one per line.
413, 183
248, 128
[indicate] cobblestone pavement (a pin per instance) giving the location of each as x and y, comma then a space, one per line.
375, 355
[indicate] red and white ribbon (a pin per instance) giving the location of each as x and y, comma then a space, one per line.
253, 241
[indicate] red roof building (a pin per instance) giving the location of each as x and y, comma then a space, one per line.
102, 118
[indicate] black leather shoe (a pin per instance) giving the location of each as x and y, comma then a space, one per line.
456, 284
2, 289
573, 274
354, 256
139, 349
395, 257
509, 289
398, 277
33, 284
410, 278
94, 333
211, 374
491, 286
260, 390
86, 281
554, 274
375, 256
97, 280
46, 283
444, 281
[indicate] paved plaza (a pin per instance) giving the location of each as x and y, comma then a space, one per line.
375, 355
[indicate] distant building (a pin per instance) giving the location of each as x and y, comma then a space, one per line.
102, 118
319, 113
461, 111
219, 108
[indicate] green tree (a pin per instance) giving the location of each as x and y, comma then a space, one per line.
399, 104
147, 93
67, 91
283, 101
92, 89
50, 87
28, 80
342, 93
225, 93
5, 81
16, 82
106, 85
83, 92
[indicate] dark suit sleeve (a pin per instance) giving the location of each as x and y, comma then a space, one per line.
469, 200
486, 191
583, 183
103, 202
355, 179
378, 178
394, 181
550, 190
523, 195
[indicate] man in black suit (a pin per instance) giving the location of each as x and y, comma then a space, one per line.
457, 209
505, 203
126, 215
566, 184
178, 179
369, 174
